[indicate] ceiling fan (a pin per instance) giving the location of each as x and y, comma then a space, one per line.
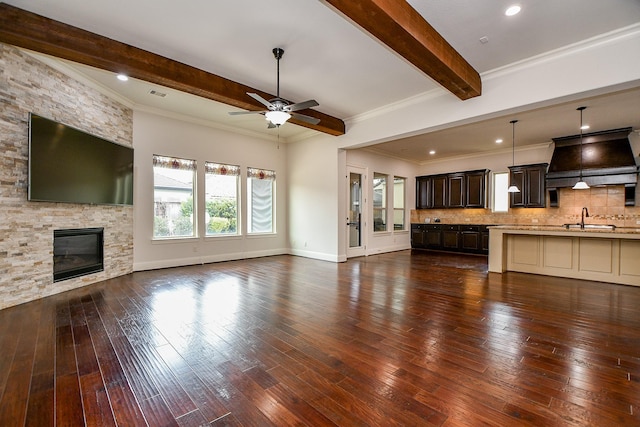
280, 110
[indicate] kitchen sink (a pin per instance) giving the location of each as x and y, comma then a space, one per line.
590, 226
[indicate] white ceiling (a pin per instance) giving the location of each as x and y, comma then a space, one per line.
349, 73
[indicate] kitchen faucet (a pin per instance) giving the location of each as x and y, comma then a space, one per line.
585, 212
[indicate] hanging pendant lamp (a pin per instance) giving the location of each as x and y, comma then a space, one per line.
513, 188
581, 184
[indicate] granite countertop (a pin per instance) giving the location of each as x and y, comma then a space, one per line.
589, 228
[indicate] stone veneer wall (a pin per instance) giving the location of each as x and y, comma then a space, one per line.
605, 205
26, 228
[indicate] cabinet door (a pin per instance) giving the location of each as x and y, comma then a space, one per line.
451, 237
470, 241
455, 183
535, 187
475, 190
423, 192
485, 242
439, 188
433, 237
516, 177
417, 237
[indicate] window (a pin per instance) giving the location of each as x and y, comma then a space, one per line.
500, 194
398, 203
173, 189
379, 202
221, 198
260, 200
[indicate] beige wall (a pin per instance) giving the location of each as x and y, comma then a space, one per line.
26, 228
605, 205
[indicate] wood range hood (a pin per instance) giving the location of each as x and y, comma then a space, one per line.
607, 159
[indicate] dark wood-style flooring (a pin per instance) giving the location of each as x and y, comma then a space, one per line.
406, 338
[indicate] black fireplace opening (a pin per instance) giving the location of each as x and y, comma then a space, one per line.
77, 252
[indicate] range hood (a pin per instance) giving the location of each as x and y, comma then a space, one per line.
607, 159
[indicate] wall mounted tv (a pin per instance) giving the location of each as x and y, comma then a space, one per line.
68, 165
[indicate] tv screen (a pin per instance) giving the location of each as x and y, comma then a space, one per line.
68, 165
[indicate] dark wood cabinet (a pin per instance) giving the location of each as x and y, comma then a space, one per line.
439, 194
530, 179
417, 236
451, 237
454, 190
484, 238
470, 239
475, 189
433, 236
424, 190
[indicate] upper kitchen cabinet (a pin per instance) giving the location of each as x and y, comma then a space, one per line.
530, 179
475, 189
454, 190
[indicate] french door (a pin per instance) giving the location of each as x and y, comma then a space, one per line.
356, 213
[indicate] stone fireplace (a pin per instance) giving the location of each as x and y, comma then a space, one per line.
29, 85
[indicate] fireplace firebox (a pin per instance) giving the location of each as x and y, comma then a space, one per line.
77, 252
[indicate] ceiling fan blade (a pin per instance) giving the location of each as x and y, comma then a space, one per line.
237, 113
261, 100
302, 105
305, 118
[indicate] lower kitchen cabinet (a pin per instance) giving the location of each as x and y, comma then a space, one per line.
451, 237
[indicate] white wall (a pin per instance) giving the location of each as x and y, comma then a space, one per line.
153, 134
313, 198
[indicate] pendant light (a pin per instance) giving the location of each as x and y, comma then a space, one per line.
581, 185
513, 188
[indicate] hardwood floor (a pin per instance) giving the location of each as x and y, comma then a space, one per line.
406, 338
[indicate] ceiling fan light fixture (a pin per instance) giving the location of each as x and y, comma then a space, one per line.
277, 117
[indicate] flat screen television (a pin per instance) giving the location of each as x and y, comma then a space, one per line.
69, 165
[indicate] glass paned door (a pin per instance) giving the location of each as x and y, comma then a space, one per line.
355, 206
356, 209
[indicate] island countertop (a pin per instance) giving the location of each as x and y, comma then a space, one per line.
590, 253
575, 228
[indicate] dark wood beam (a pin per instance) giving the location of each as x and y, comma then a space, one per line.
399, 26
30, 31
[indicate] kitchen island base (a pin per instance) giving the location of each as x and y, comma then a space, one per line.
603, 255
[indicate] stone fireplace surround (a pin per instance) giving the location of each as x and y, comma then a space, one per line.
26, 231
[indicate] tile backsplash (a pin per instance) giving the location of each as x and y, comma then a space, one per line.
605, 205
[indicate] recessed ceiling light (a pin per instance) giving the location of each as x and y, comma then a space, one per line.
512, 10
584, 127
432, 152
122, 77
498, 141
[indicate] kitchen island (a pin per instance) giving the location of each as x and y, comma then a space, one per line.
601, 254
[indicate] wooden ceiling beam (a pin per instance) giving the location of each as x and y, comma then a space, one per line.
34, 32
399, 26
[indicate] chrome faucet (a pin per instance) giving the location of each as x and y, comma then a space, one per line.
585, 213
